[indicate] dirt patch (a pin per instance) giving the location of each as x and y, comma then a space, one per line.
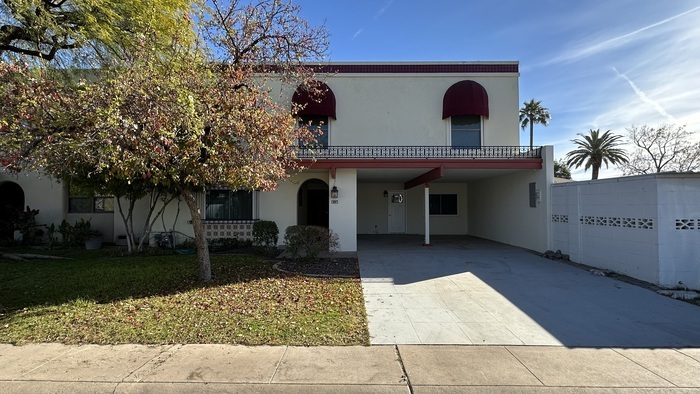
341, 267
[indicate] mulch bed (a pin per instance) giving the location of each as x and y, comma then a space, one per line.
341, 267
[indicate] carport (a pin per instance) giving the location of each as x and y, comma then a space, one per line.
467, 290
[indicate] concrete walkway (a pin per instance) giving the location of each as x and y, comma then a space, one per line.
465, 290
52, 368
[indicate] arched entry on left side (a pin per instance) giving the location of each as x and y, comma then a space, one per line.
11, 198
312, 203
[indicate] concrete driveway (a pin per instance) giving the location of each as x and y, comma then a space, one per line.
464, 290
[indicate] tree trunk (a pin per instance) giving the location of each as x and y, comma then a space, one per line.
199, 240
532, 134
596, 169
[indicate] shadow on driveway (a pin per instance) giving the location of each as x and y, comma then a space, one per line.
465, 290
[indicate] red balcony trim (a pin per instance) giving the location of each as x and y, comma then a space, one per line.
515, 164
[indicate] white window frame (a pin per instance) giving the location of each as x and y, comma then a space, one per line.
448, 131
203, 206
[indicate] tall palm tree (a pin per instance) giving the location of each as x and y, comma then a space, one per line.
533, 112
595, 149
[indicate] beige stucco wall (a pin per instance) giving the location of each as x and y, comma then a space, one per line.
280, 205
499, 207
172, 220
51, 199
406, 109
40, 193
373, 209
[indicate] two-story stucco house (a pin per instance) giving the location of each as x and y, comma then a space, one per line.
407, 148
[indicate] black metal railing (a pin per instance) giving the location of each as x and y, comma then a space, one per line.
420, 152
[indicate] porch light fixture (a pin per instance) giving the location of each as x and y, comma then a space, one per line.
386, 193
334, 192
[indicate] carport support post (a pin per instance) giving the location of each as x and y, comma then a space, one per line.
427, 215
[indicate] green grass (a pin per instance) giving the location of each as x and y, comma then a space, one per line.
158, 299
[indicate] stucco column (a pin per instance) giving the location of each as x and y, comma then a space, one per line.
427, 216
342, 211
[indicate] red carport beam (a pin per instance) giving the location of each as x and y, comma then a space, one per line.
435, 173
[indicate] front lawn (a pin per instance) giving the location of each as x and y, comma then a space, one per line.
157, 299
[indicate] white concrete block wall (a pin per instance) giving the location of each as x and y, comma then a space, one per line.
631, 225
679, 230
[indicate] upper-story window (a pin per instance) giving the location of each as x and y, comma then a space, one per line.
465, 130
315, 106
319, 125
466, 103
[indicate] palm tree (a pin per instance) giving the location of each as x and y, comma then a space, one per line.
595, 149
533, 112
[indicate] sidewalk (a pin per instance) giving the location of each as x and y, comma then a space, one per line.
51, 368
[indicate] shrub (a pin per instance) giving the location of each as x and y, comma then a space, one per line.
228, 244
67, 233
307, 242
25, 222
82, 231
265, 233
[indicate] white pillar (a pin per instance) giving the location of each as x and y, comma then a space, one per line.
427, 215
342, 211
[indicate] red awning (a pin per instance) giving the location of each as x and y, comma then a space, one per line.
320, 103
465, 98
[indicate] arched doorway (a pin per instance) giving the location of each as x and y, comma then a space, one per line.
312, 203
11, 198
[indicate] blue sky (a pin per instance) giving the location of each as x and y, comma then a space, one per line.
594, 63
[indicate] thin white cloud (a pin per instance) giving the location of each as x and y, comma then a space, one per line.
585, 51
383, 9
376, 16
643, 96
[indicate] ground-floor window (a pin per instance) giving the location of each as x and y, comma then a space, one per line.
225, 204
443, 204
82, 204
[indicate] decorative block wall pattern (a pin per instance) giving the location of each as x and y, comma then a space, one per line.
560, 218
240, 229
687, 224
643, 223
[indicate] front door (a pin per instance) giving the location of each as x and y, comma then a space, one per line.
397, 212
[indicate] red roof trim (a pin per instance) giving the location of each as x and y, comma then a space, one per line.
414, 68
465, 98
313, 104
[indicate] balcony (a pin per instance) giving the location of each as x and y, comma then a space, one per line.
420, 152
